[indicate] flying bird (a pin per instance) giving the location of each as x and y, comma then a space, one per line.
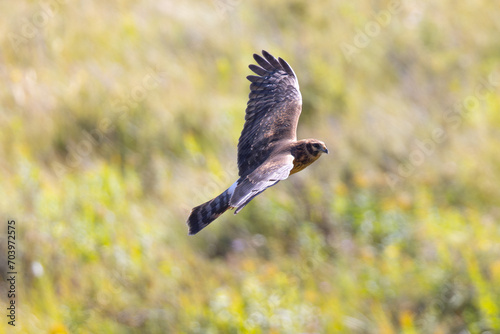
268, 150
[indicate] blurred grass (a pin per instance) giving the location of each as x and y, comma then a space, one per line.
118, 117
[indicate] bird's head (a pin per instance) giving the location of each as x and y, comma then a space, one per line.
316, 147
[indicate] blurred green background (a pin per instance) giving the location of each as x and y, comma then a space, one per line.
118, 117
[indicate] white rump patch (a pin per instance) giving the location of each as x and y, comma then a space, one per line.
231, 189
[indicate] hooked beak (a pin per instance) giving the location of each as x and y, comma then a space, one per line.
325, 150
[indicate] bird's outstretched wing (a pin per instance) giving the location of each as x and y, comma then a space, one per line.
272, 171
272, 113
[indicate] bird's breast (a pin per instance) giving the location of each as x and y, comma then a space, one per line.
302, 161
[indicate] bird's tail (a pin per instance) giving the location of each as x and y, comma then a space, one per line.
204, 214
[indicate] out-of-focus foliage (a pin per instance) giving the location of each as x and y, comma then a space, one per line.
117, 117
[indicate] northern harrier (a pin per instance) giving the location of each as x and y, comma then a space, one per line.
268, 150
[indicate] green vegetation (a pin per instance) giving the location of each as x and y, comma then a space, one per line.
118, 117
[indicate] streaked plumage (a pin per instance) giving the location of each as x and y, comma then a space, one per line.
268, 150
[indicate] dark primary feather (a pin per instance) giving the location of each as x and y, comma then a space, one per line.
272, 112
257, 70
